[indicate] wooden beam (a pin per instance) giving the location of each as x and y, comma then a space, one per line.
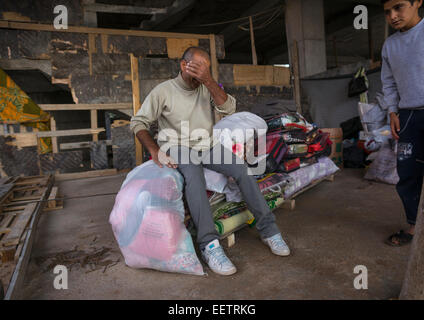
4, 24
89, 17
214, 60
296, 77
54, 139
247, 74
80, 145
27, 64
86, 174
66, 133
252, 42
93, 118
216, 116
176, 47
21, 140
112, 8
86, 106
136, 104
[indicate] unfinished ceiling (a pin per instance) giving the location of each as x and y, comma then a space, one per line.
229, 19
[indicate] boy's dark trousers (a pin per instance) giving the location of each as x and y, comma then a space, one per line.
410, 160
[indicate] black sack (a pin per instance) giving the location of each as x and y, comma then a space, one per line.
351, 128
358, 84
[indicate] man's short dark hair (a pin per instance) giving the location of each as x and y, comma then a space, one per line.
384, 1
188, 53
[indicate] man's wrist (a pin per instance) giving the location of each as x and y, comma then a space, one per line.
210, 82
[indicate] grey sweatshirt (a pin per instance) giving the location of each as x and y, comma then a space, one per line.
402, 72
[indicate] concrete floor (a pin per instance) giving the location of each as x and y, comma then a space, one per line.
335, 226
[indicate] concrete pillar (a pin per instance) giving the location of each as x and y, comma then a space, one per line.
305, 24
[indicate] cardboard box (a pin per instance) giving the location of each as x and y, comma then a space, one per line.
336, 136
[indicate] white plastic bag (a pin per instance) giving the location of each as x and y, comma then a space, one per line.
384, 167
236, 130
215, 181
148, 221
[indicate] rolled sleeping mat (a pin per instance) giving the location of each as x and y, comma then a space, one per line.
224, 226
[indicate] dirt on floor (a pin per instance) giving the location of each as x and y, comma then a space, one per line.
335, 227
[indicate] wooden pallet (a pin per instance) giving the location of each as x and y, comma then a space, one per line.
289, 203
52, 202
20, 208
17, 208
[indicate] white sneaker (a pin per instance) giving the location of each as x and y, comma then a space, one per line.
277, 245
215, 257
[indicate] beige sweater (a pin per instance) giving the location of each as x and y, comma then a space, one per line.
173, 102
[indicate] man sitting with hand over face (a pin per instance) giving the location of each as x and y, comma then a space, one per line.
183, 107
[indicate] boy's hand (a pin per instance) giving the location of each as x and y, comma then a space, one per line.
394, 125
160, 158
199, 71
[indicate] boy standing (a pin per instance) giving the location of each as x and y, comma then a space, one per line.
402, 77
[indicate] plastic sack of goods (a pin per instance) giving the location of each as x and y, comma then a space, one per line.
383, 168
305, 176
238, 129
148, 221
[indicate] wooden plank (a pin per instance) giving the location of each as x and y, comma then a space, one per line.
282, 76
66, 133
51, 203
86, 106
21, 140
93, 118
176, 47
253, 75
5, 223
54, 139
214, 60
14, 208
231, 240
20, 246
112, 8
136, 104
296, 77
215, 71
77, 29
252, 42
13, 237
79, 145
24, 181
86, 174
18, 276
15, 16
